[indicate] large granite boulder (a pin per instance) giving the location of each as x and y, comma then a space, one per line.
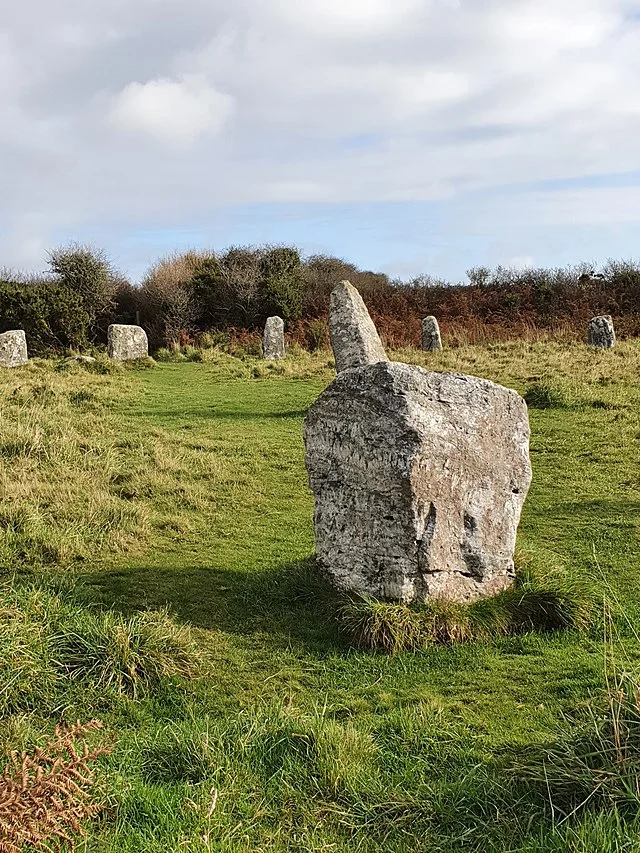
600, 332
13, 348
419, 479
273, 338
125, 343
431, 339
354, 338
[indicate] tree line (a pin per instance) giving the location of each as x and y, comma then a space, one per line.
233, 292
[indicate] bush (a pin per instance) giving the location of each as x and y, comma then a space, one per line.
167, 304
52, 315
281, 283
86, 272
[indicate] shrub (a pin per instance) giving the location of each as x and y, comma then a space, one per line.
281, 282
88, 273
52, 315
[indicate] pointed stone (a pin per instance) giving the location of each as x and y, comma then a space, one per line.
125, 343
431, 339
418, 479
600, 332
13, 348
273, 338
354, 338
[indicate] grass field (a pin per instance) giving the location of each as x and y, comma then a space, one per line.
174, 498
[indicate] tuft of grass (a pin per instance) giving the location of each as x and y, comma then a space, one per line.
127, 656
546, 603
550, 394
51, 643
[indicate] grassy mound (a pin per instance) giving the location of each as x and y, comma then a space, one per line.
539, 601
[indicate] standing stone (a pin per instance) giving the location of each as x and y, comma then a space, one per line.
600, 332
13, 348
273, 338
126, 342
354, 338
418, 479
431, 339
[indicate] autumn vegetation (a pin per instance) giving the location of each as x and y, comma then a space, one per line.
228, 295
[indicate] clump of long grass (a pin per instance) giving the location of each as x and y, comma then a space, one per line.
551, 394
52, 643
46, 796
125, 655
537, 602
591, 761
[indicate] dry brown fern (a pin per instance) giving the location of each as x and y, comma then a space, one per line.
45, 796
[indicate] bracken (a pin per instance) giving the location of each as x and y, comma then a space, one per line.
45, 797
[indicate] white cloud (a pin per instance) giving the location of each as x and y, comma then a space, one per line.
317, 101
347, 18
174, 111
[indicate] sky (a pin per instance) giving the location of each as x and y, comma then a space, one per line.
406, 136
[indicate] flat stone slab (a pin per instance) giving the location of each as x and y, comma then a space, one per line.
125, 343
431, 339
354, 338
13, 348
600, 332
418, 479
273, 338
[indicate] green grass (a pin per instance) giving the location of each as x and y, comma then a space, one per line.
181, 490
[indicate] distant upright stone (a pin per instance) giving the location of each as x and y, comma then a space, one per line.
601, 333
354, 338
273, 338
125, 343
418, 479
13, 348
431, 339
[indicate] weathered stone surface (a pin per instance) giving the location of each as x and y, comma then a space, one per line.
600, 332
126, 342
13, 348
354, 338
431, 339
419, 479
273, 338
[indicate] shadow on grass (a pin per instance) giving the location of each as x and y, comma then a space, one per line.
212, 413
289, 602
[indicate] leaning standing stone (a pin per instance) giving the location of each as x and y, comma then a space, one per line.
431, 339
418, 479
13, 348
354, 338
600, 332
273, 338
125, 343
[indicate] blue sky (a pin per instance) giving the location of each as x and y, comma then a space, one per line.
409, 136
